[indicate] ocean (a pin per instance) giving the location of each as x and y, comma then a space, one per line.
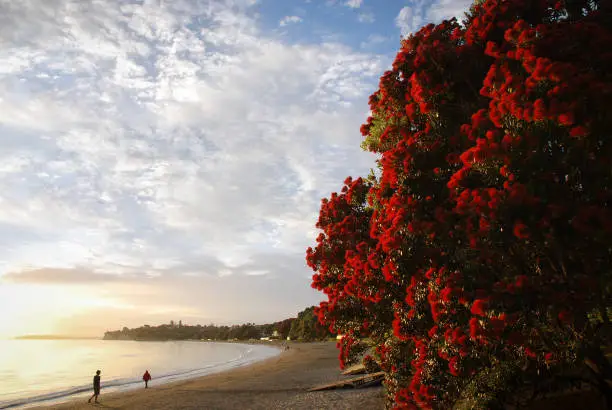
42, 372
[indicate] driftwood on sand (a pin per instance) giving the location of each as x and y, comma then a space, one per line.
368, 380
355, 369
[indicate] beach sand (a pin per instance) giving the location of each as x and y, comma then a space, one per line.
277, 383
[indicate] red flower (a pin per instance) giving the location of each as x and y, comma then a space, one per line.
520, 230
507, 140
484, 224
479, 307
492, 135
492, 49
579, 131
565, 316
566, 119
446, 295
475, 328
456, 335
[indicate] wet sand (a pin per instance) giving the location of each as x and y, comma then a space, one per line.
277, 383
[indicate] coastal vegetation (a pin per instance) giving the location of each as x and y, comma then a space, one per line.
476, 259
303, 328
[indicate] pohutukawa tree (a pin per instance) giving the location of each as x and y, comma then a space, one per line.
479, 262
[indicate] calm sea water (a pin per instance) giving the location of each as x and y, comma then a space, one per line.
39, 372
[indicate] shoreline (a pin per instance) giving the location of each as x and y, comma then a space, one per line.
278, 382
123, 385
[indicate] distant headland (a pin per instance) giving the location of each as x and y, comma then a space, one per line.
305, 327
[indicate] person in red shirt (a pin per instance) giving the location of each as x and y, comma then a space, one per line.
146, 377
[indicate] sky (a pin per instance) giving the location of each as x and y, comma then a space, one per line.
165, 160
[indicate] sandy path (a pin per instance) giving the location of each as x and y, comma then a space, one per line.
277, 383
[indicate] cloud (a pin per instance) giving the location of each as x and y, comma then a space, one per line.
59, 276
289, 20
171, 139
419, 13
366, 18
445, 9
409, 19
354, 4
374, 40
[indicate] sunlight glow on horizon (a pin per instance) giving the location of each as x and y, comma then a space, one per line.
38, 309
85, 310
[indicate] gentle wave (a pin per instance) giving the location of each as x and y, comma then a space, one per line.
123, 384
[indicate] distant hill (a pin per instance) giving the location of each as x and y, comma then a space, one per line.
53, 337
305, 327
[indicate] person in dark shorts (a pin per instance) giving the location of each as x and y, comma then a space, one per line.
96, 387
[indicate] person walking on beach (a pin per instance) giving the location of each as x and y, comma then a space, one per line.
146, 377
96, 387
